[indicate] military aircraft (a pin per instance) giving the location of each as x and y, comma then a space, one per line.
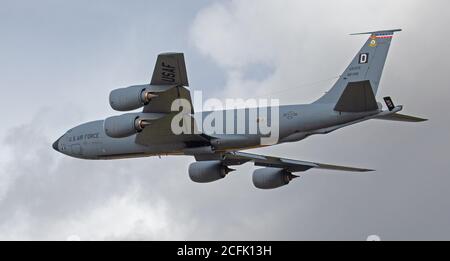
150, 133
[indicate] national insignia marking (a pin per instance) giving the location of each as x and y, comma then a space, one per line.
290, 115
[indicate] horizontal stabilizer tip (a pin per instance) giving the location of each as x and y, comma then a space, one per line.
379, 32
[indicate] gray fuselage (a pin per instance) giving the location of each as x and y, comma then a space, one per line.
296, 122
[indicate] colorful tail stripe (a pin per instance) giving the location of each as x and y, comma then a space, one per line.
384, 36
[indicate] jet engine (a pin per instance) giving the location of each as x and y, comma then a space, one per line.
271, 178
131, 98
208, 171
128, 124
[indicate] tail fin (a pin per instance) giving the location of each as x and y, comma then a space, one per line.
365, 71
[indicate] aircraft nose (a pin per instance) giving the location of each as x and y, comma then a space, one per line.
56, 144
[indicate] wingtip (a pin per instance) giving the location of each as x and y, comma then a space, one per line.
417, 119
343, 168
362, 170
170, 53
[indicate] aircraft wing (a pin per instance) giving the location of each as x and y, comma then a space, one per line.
168, 83
239, 158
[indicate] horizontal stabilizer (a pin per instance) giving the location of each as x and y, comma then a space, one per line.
400, 117
379, 32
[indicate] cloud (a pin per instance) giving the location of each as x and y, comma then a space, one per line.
122, 218
47, 196
297, 40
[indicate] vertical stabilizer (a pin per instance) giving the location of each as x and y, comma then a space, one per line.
367, 66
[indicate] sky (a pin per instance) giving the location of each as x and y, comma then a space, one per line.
60, 59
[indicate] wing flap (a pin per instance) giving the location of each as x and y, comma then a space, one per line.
160, 132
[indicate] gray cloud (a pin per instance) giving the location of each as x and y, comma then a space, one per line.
232, 50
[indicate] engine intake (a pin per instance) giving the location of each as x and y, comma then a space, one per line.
208, 171
271, 178
131, 98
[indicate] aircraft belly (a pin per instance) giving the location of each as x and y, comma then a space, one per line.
235, 142
126, 148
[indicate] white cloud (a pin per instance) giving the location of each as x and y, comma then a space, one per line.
296, 39
121, 218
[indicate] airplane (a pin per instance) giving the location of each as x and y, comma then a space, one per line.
148, 133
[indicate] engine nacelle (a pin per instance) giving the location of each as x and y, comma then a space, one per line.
208, 171
131, 98
129, 124
271, 178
